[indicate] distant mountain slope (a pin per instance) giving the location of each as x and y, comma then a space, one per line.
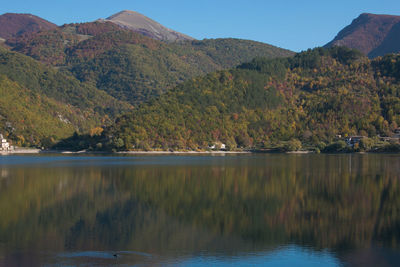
391, 44
135, 73
131, 66
374, 35
53, 46
139, 23
12, 24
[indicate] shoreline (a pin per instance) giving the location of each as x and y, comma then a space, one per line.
35, 151
39, 151
22, 151
182, 152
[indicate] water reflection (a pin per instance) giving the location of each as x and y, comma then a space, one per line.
309, 209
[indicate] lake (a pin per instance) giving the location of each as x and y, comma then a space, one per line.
232, 210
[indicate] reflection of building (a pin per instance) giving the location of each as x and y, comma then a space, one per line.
4, 173
5, 146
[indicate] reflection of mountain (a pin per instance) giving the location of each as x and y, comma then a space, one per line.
229, 204
323, 203
140, 227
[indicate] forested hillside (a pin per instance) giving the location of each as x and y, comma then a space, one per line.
178, 95
39, 103
129, 65
304, 101
84, 75
31, 119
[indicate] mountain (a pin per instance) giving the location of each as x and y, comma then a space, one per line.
12, 25
374, 35
139, 23
135, 73
286, 103
84, 75
130, 66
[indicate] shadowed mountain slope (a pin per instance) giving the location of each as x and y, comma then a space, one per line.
374, 35
12, 24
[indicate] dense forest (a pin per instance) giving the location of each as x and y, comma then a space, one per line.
81, 76
40, 105
309, 101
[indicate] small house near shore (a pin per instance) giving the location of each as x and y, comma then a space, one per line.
353, 140
218, 146
5, 146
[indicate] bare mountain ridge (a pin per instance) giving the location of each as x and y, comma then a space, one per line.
374, 35
13, 24
139, 23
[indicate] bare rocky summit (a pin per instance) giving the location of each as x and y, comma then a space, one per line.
374, 35
139, 23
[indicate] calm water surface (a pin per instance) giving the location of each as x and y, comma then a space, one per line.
247, 210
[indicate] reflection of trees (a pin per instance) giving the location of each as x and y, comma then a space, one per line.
320, 200
325, 201
40, 204
138, 227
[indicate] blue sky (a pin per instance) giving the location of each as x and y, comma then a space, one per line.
296, 25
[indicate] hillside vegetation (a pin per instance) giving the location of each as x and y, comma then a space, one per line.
130, 66
85, 75
31, 119
39, 103
291, 103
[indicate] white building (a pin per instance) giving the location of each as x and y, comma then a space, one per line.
218, 146
5, 146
